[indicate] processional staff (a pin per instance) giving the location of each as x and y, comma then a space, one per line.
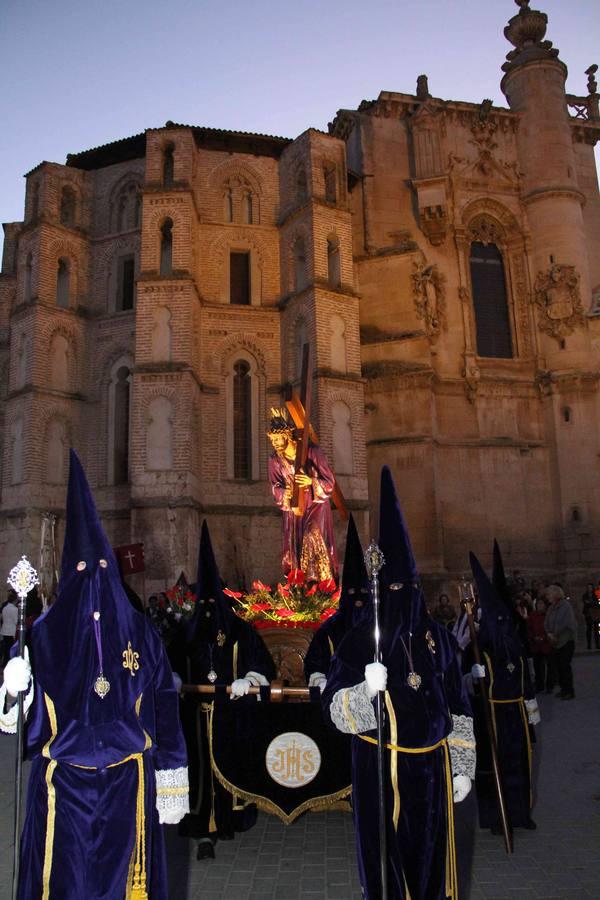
467, 596
374, 560
22, 579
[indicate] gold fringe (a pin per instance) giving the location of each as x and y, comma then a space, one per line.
393, 759
328, 801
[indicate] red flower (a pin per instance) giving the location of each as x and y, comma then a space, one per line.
336, 595
283, 590
296, 576
327, 586
284, 613
327, 613
311, 591
259, 586
180, 601
161, 603
260, 607
235, 594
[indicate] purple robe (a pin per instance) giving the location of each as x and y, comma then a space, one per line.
308, 541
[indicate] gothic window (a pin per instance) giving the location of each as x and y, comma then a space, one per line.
338, 344
128, 208
342, 438
28, 291
63, 286
168, 171
161, 334
125, 283
59, 363
242, 419
330, 177
490, 301
301, 187
137, 210
56, 444
333, 262
159, 434
166, 247
248, 208
239, 277
300, 339
67, 207
299, 253
229, 205
121, 210
120, 429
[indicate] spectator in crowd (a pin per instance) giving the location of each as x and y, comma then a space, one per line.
444, 613
540, 647
8, 629
591, 614
561, 628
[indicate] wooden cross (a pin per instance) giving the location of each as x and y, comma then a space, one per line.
298, 405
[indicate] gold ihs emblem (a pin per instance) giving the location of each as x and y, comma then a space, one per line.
430, 642
220, 638
130, 659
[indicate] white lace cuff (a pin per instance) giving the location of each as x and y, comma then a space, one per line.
533, 712
461, 743
8, 720
316, 678
172, 790
352, 710
256, 679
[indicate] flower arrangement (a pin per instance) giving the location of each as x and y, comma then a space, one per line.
170, 608
295, 603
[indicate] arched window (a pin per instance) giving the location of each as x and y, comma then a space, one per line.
300, 339
228, 205
59, 363
333, 262
56, 447
338, 343
28, 290
330, 178
161, 334
159, 434
121, 210
63, 286
247, 208
490, 302
67, 207
299, 264
125, 282
127, 209
301, 187
240, 277
242, 419
120, 430
342, 438
137, 210
168, 172
166, 247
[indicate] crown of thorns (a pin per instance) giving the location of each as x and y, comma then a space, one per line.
280, 423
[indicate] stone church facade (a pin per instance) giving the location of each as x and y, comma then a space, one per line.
440, 256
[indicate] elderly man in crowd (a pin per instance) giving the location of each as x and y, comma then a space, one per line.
561, 628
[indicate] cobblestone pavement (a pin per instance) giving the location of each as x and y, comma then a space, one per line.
314, 858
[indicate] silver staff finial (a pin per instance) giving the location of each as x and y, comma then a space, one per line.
22, 577
374, 560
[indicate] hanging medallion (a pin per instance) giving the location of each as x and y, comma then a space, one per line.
430, 642
414, 680
102, 685
220, 638
510, 668
212, 676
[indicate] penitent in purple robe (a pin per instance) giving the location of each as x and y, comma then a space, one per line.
308, 541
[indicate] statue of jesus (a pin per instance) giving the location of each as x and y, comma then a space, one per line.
308, 541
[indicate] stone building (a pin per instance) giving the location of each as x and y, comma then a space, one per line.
442, 259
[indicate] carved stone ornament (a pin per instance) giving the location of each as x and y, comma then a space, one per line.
472, 375
558, 299
434, 223
485, 231
429, 294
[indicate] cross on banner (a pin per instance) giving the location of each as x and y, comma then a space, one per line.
131, 557
296, 404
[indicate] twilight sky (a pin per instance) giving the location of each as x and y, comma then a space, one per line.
79, 73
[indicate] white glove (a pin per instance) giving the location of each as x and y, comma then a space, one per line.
376, 678
477, 672
170, 816
317, 679
240, 687
178, 683
461, 787
17, 674
533, 712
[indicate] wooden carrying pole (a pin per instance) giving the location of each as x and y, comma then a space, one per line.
468, 602
277, 692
